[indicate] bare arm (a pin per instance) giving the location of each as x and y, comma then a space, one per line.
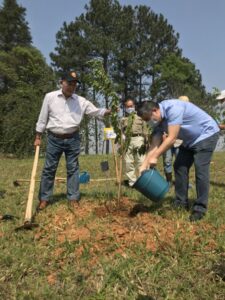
156, 149
155, 143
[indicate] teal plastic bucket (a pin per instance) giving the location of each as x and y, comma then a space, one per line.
152, 185
84, 177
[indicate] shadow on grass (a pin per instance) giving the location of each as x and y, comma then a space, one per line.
157, 206
219, 184
57, 198
97, 195
141, 208
161, 207
219, 270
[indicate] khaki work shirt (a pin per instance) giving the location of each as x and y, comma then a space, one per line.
139, 126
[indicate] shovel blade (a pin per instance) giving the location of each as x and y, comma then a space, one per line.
27, 226
7, 217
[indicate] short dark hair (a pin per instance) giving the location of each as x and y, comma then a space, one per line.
129, 99
146, 107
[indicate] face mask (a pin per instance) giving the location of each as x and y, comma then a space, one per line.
129, 110
153, 123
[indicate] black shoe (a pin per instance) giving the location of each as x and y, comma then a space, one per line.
125, 183
181, 205
196, 216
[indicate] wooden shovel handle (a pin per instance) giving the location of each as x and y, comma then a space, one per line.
28, 214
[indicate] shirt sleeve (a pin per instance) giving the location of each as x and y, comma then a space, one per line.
174, 115
92, 110
43, 116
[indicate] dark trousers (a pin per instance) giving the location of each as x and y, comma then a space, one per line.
55, 148
200, 154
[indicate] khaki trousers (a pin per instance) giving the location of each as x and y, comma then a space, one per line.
133, 159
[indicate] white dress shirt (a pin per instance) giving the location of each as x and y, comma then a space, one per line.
63, 116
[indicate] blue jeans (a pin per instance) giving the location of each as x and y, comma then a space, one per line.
55, 148
168, 159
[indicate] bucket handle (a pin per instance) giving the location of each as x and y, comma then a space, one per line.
145, 171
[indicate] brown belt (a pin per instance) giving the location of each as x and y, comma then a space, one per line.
63, 136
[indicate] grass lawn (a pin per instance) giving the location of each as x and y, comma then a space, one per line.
141, 251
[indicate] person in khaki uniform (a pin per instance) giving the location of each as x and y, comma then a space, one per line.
139, 137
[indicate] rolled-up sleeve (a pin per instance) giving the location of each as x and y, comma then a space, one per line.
43, 116
92, 110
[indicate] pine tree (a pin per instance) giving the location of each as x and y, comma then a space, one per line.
176, 76
28, 79
14, 30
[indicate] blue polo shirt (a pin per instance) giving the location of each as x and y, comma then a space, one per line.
196, 124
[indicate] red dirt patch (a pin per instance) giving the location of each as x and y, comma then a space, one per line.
74, 234
52, 278
108, 230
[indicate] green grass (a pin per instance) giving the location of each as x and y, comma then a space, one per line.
156, 254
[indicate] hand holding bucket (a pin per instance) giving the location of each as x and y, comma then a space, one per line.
152, 185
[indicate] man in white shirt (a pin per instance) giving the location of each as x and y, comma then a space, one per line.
61, 114
221, 99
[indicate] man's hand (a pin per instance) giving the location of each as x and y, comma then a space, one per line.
37, 141
143, 167
150, 163
107, 112
153, 161
222, 126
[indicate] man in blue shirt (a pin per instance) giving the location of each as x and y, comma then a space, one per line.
199, 132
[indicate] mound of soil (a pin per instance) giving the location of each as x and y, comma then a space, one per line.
110, 230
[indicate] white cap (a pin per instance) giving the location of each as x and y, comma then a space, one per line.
221, 95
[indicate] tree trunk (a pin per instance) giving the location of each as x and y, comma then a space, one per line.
140, 88
86, 148
86, 121
96, 136
96, 127
105, 65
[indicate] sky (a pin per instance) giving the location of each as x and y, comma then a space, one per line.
200, 23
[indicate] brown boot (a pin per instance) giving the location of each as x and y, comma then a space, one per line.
42, 205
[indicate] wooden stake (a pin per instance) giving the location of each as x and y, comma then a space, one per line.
62, 179
115, 160
120, 180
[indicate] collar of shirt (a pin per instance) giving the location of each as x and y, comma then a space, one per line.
60, 93
161, 110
